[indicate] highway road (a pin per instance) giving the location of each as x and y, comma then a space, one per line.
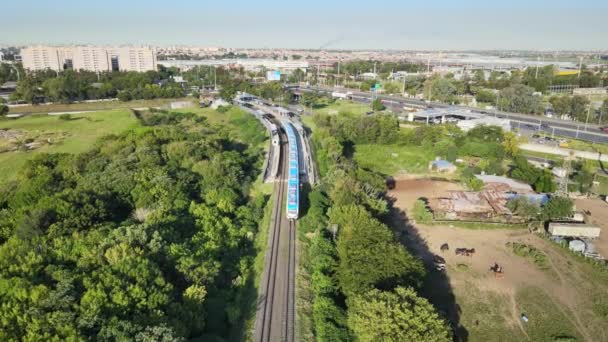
572, 129
275, 317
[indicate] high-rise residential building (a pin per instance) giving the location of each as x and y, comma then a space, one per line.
90, 58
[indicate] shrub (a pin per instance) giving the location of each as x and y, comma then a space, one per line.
526, 251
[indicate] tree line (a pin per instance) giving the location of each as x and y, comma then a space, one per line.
364, 284
69, 86
147, 237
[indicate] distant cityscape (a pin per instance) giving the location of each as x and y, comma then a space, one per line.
145, 58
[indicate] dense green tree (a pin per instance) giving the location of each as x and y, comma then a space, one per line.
440, 89
525, 171
485, 96
561, 105
369, 255
395, 316
557, 208
310, 98
545, 182
377, 105
519, 98
579, 108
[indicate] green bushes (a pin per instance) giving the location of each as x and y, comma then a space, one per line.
421, 212
529, 252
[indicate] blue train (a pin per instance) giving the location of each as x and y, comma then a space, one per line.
293, 180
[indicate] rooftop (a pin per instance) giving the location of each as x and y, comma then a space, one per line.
514, 185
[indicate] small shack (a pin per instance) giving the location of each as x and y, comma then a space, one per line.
574, 230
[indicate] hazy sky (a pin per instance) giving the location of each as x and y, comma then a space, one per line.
387, 24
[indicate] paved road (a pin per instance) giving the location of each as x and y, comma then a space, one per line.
564, 152
571, 129
275, 315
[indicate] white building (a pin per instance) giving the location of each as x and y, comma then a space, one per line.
466, 125
90, 58
574, 230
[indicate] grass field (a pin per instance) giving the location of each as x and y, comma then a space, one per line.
393, 159
80, 133
343, 106
102, 105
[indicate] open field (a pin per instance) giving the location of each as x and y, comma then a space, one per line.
563, 297
68, 136
84, 106
393, 159
343, 106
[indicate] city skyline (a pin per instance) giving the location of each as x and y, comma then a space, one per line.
441, 25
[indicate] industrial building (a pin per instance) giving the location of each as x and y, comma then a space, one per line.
89, 58
464, 118
443, 115
249, 64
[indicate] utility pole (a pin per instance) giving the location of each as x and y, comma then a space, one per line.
588, 112
537, 61
580, 67
214, 78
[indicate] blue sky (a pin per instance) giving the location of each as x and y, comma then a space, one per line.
386, 24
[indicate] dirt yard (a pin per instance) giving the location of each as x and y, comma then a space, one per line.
599, 217
557, 296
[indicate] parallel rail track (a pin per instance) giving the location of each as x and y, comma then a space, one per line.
276, 307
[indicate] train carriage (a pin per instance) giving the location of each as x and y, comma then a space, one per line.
293, 180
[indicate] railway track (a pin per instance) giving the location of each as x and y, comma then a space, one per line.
276, 305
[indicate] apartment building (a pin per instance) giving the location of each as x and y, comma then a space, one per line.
90, 58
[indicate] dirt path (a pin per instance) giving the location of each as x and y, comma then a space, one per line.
515, 315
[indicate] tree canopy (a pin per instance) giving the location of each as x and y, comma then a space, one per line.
395, 316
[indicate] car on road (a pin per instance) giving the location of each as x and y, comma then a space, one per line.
604, 129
